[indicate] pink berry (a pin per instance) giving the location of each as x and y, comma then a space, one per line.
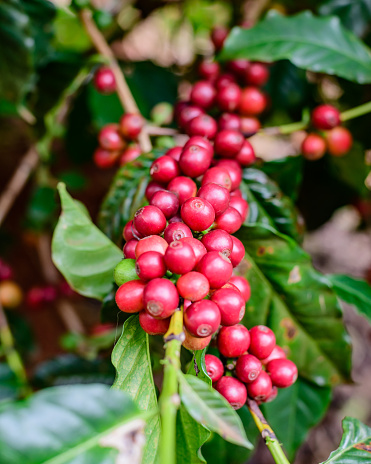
243, 286
152, 188
109, 138
217, 175
198, 247
218, 36
216, 267
214, 367
176, 231
325, 117
129, 248
131, 125
228, 97
194, 160
180, 257
339, 141
167, 202
105, 159
218, 240
129, 155
203, 94
201, 142
246, 156
233, 341
104, 80
164, 169
127, 232
202, 318
187, 114
240, 205
197, 213
152, 325
223, 80
249, 125
229, 121
239, 67
313, 147
260, 388
174, 153
183, 187
230, 220
203, 125
283, 372
151, 243
277, 353
234, 171
209, 70
228, 143
238, 252
216, 195
160, 298
193, 286
150, 265
257, 74
233, 391
253, 101
149, 220
248, 368
263, 341
129, 296
231, 305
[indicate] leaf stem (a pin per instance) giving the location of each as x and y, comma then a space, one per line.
356, 112
267, 433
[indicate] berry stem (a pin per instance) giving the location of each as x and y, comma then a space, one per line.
267, 433
169, 399
356, 112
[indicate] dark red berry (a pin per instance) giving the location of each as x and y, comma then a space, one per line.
230, 220
272, 396
201, 142
240, 205
231, 305
203, 125
129, 297
129, 248
49, 294
252, 102
176, 218
6, 272
262, 342
248, 368
234, 171
228, 143
233, 391
229, 121
223, 80
167, 202
277, 353
260, 388
101, 329
186, 303
149, 220
216, 267
110, 138
216, 195
150, 265
187, 114
239, 67
152, 325
217, 175
104, 80
151, 243
35, 297
183, 187
228, 97
209, 70
160, 298
198, 247
131, 125
218, 36
180, 257
194, 160
233, 341
193, 286
325, 117
174, 153
238, 252
249, 125
283, 372
313, 147
176, 231
214, 367
257, 74
218, 240
164, 169
243, 286
105, 159
339, 141
195, 343
152, 188
130, 154
202, 318
197, 213
246, 156
203, 94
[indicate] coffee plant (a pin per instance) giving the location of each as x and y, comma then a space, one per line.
217, 326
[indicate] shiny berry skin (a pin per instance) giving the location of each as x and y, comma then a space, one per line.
194, 161
174, 153
175, 218
260, 388
238, 252
201, 142
151, 243
187, 114
34, 297
240, 205
130, 154
218, 240
230, 220
202, 318
228, 143
203, 94
167, 202
160, 298
203, 125
110, 138
104, 80
283, 372
180, 257
176, 231
236, 193
339, 141
152, 188
252, 102
6, 272
129, 248
257, 74
209, 70
218, 36
198, 247
150, 265
234, 171
216, 195
193, 286
105, 159
131, 125
152, 325
197, 213
129, 296
231, 305
262, 342
164, 169
223, 80
216, 267
183, 187
214, 367
233, 341
313, 147
243, 286
277, 353
233, 391
195, 343
229, 121
272, 396
239, 67
248, 368
217, 175
249, 125
149, 220
325, 117
246, 156
228, 97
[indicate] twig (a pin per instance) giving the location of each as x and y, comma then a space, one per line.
253, 9
123, 91
155, 130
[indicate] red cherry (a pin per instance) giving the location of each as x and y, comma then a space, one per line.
201, 142
230, 220
164, 169
238, 252
197, 213
325, 117
277, 353
240, 205
224, 79
35, 297
263, 341
339, 141
228, 143
239, 67
216, 267
260, 388
218, 36
257, 74
231, 305
193, 286
228, 97
236, 193
249, 125
151, 243
272, 396
203, 94
174, 153
152, 325
253, 101
283, 372
131, 125
243, 286
149, 220
209, 70
202, 318
101, 329
248, 368
105, 159
6, 272
129, 155
194, 160
246, 156
313, 147
233, 341
229, 121
195, 343
180, 257
218, 240
217, 175
198, 247
233, 391
129, 296
104, 80
187, 114
176, 231
160, 298
109, 138
216, 195
203, 125
214, 367
234, 171
129, 248
167, 202
150, 265
49, 293
183, 187
152, 188
176, 218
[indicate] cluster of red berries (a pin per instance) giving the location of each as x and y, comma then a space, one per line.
334, 138
259, 365
40, 296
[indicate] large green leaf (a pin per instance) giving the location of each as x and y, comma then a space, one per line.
81, 252
313, 43
354, 14
355, 445
134, 376
10, 386
287, 172
65, 425
297, 302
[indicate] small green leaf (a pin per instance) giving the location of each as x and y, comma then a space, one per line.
287, 172
355, 15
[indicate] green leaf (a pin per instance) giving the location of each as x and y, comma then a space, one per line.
355, 444
297, 302
134, 376
353, 291
287, 172
81, 252
331, 49
355, 15
300, 407
10, 387
62, 425
42, 208
210, 409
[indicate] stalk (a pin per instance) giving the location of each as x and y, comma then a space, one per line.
356, 111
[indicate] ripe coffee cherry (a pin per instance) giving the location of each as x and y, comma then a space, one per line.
260, 388
160, 298
313, 147
218, 36
283, 372
277, 353
243, 286
197, 213
234, 171
252, 102
129, 155
257, 74
152, 325
105, 159
186, 303
149, 220
233, 341
194, 161
216, 195
129, 248
224, 79
193, 286
198, 247
236, 193
34, 297
233, 391
272, 396
218, 240
176, 231
110, 138
239, 67
209, 70
129, 297
201, 142
131, 125
216, 267
175, 218
174, 153
187, 114
183, 187
195, 343
203, 125
167, 202
152, 188
203, 94
228, 143
325, 117
248, 368
246, 156
231, 305
150, 265
214, 367
238, 252
104, 80
202, 318
249, 125
164, 169
228, 97
240, 205
229, 121
6, 272
217, 175
180, 257
339, 141
151, 243
262, 342
230, 220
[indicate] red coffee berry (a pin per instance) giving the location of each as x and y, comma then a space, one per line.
236, 193
160, 298
152, 188
228, 97
105, 159
174, 153
152, 325
176, 231
228, 143
214, 367
187, 114
283, 372
167, 202
239, 67
313, 147
194, 160
198, 247
202, 318
339, 141
183, 187
231, 305
150, 265
243, 286
6, 272
164, 169
224, 79
186, 303
272, 396
175, 218
218, 36
234, 171
129, 296
101, 329
248, 368
130, 154
229, 121
246, 156
217, 175
149, 220
203, 94
216, 195
252, 102
238, 252
216, 267
249, 125
260, 388
109, 138
233, 341
49, 294
151, 243
195, 343
218, 240
277, 353
180, 257
262, 342
203, 125
193, 286
257, 74
325, 117
197, 213
201, 142
240, 205
129, 248
209, 70
131, 125
233, 391
34, 298
230, 220
104, 80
